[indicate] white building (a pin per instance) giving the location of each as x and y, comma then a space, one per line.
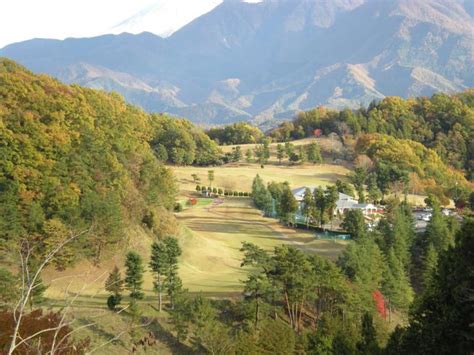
344, 203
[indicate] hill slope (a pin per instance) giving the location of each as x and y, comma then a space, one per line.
267, 60
73, 159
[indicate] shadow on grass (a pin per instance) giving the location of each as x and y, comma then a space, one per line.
165, 337
99, 331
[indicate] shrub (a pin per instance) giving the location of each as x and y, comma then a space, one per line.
246, 194
236, 193
214, 190
198, 188
220, 192
178, 207
241, 193
113, 301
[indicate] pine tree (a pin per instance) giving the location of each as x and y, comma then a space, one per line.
402, 234
134, 275
320, 205
373, 192
430, 264
368, 344
158, 263
358, 178
248, 155
441, 322
396, 285
237, 154
331, 196
308, 205
437, 231
114, 285
210, 176
289, 149
164, 265
260, 195
288, 205
354, 224
314, 154
302, 154
280, 153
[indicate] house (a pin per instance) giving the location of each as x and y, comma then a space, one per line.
366, 208
344, 202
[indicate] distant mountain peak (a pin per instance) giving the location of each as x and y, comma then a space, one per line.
165, 17
266, 61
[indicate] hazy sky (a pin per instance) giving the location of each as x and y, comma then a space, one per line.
25, 19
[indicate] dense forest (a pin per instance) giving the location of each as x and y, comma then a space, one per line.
444, 123
75, 159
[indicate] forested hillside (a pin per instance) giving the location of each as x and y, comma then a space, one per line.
444, 123
74, 159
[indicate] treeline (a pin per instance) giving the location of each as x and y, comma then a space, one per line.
277, 200
74, 159
236, 133
444, 123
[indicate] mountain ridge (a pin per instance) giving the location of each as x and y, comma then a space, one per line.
264, 61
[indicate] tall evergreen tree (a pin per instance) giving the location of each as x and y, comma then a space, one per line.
354, 224
396, 285
320, 205
314, 154
261, 196
368, 344
437, 231
302, 154
308, 205
134, 275
288, 205
248, 156
280, 152
358, 178
441, 323
158, 264
114, 285
429, 265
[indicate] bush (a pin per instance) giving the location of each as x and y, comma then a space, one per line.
236, 193
241, 193
113, 301
209, 189
198, 188
214, 190
178, 207
220, 192
246, 194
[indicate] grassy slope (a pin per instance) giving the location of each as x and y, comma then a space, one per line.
240, 176
211, 259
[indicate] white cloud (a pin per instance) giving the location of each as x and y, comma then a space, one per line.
25, 19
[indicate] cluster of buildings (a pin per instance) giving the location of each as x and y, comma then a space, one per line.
343, 204
371, 212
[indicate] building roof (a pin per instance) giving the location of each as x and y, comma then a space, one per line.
344, 199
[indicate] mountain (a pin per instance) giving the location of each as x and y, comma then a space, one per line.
264, 61
164, 17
